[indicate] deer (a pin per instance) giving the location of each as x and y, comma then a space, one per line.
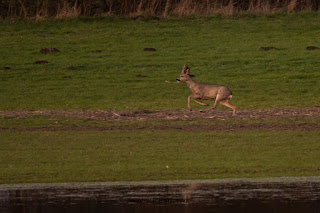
219, 93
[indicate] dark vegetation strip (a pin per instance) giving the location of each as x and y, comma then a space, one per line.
146, 8
227, 127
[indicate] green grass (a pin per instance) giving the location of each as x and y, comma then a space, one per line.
144, 155
218, 50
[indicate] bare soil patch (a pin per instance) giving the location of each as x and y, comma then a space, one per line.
268, 48
49, 50
312, 48
41, 62
172, 115
112, 115
220, 127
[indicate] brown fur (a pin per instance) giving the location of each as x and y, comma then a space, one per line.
221, 94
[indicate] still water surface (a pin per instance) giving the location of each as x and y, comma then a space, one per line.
283, 195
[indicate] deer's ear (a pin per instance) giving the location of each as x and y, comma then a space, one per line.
184, 68
187, 71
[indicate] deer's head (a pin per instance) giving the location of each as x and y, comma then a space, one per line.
185, 74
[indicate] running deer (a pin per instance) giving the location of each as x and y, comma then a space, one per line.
219, 93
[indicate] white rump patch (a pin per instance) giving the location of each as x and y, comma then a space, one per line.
230, 96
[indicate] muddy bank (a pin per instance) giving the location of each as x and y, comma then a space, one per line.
296, 194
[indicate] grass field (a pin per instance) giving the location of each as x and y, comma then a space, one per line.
218, 50
162, 155
122, 77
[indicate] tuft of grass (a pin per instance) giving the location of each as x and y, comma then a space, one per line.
218, 51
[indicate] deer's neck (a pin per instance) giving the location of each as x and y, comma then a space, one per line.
191, 84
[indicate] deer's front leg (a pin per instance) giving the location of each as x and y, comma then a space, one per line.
194, 96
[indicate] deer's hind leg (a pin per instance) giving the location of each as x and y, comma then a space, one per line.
216, 103
227, 104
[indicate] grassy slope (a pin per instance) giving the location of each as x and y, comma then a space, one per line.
218, 50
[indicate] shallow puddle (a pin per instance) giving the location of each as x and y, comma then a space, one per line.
227, 195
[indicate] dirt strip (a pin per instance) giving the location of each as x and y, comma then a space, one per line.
170, 115
225, 128
111, 115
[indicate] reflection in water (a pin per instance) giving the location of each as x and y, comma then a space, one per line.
234, 195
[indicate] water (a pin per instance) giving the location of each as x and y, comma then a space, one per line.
233, 195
